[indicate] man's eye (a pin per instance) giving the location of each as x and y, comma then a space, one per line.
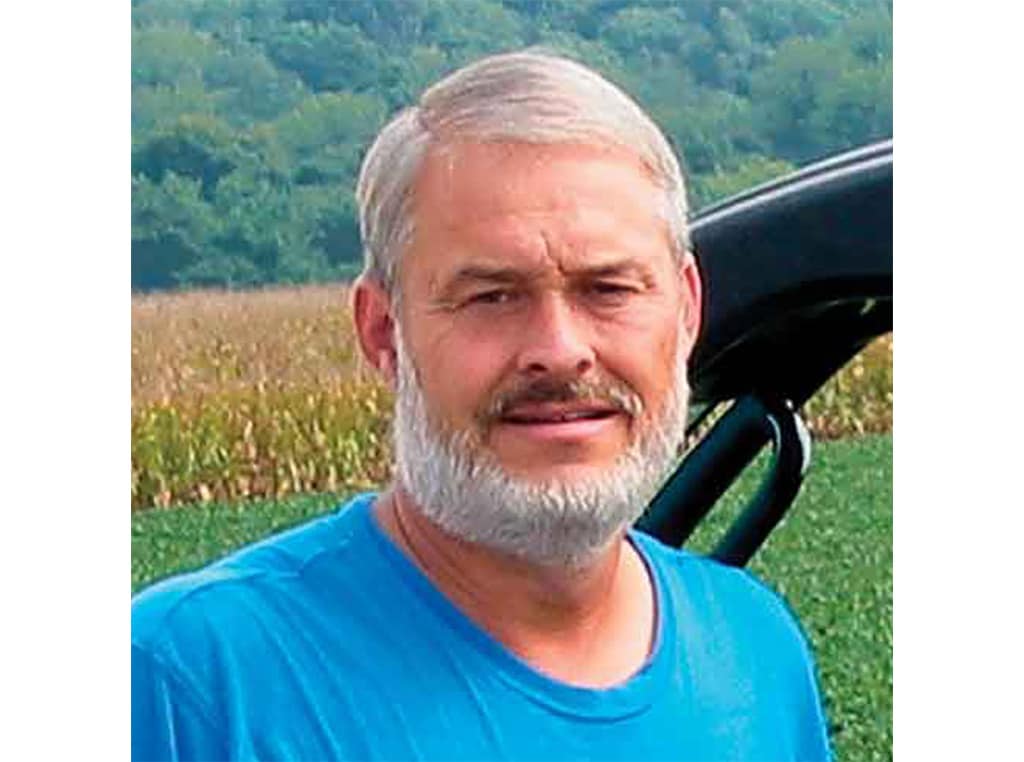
612, 290
494, 296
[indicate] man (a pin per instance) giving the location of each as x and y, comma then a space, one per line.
530, 294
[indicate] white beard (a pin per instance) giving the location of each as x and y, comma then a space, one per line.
459, 485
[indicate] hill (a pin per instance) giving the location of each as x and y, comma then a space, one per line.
250, 117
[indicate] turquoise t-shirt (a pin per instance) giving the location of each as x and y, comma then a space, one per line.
326, 642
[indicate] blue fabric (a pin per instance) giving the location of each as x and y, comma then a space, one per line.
325, 642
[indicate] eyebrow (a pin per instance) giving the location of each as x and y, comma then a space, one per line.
494, 274
486, 273
623, 267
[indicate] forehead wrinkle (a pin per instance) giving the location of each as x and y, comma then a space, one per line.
564, 227
452, 171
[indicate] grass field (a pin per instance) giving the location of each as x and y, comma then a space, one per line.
831, 558
238, 395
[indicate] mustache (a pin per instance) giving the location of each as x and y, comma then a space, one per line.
613, 393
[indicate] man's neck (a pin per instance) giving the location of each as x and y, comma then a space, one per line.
590, 626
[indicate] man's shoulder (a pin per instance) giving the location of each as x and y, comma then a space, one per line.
680, 563
740, 641
709, 588
249, 575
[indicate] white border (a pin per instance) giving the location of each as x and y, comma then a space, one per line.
958, 406
65, 381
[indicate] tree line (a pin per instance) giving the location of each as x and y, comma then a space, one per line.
250, 117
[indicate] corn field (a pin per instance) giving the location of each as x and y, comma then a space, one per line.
262, 394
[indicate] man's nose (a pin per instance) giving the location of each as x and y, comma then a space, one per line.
556, 340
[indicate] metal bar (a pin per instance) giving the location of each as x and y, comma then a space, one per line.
792, 445
707, 472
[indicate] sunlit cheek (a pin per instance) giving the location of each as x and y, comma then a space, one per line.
465, 368
659, 366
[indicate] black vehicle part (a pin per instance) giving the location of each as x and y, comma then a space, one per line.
797, 279
791, 271
792, 445
735, 439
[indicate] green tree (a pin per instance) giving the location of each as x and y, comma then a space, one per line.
170, 55
404, 78
819, 96
171, 224
248, 85
156, 105
250, 117
196, 146
751, 171
256, 224
323, 137
327, 56
391, 24
594, 54
774, 22
472, 28
650, 33
579, 17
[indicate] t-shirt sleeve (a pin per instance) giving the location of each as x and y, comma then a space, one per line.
813, 727
794, 649
167, 722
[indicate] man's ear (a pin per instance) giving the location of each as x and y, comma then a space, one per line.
375, 326
692, 300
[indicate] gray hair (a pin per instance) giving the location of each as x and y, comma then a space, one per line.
527, 96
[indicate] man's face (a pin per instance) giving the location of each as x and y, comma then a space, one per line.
542, 308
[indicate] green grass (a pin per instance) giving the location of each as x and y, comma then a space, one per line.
165, 541
831, 558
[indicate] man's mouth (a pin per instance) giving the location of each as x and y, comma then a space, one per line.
551, 413
561, 423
